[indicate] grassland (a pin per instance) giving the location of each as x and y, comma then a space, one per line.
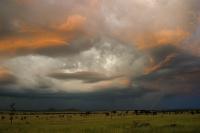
99, 123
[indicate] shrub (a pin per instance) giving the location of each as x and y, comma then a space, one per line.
2, 117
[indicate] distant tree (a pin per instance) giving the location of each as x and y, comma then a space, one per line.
127, 112
107, 113
88, 113
2, 117
61, 116
136, 112
12, 112
154, 113
197, 111
114, 112
192, 112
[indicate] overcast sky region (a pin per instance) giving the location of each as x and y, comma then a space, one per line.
100, 54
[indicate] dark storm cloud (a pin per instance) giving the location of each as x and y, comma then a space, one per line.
161, 52
178, 75
103, 99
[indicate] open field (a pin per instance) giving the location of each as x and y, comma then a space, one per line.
99, 122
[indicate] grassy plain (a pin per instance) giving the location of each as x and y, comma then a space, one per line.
100, 123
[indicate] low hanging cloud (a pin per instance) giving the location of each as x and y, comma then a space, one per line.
88, 77
101, 66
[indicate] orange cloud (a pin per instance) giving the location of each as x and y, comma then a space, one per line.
162, 37
170, 36
11, 45
151, 39
72, 23
31, 37
122, 82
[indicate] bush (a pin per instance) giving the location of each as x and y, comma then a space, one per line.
2, 117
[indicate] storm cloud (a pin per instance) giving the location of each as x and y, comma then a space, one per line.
132, 51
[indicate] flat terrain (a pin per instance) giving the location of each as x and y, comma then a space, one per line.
100, 123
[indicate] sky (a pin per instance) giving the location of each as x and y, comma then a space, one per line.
100, 54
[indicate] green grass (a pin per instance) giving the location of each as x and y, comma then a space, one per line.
99, 123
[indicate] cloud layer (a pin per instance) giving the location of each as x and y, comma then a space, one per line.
98, 48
